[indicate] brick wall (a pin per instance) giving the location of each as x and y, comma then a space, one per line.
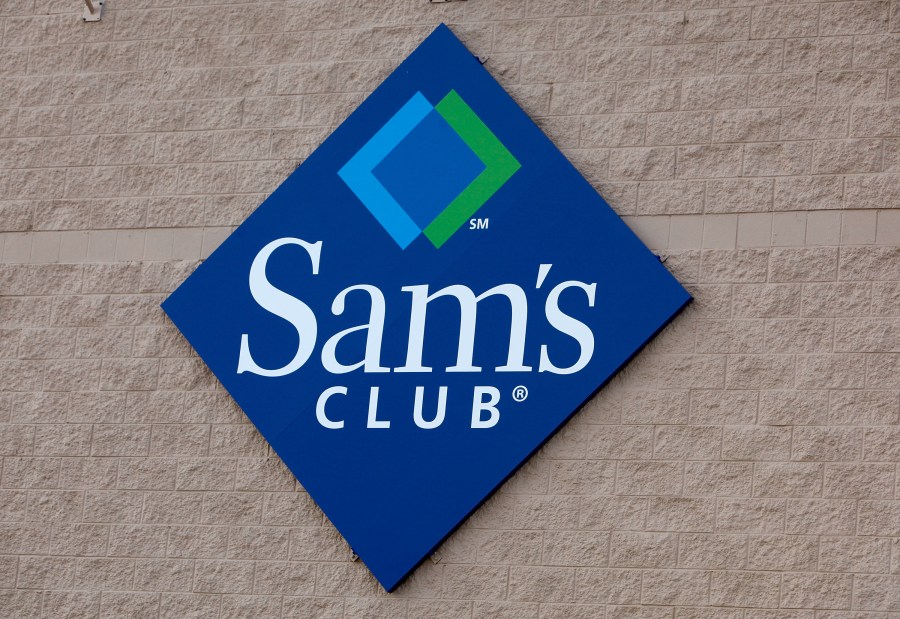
744, 466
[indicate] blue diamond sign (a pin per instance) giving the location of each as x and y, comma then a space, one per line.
421, 304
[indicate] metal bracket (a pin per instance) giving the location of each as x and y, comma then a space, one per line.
93, 10
436, 557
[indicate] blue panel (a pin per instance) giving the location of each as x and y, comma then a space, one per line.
396, 493
357, 173
428, 169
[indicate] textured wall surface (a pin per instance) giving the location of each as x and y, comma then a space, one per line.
745, 466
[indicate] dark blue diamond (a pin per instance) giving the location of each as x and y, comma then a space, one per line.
428, 169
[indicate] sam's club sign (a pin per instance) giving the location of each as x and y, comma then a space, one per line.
419, 306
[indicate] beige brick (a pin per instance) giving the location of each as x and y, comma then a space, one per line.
585, 32
720, 231
79, 539
223, 576
71, 603
719, 92
709, 161
884, 297
475, 582
740, 266
843, 156
197, 541
116, 507
815, 122
823, 228
573, 477
642, 164
754, 230
870, 481
548, 67
880, 445
571, 611
686, 232
780, 22
695, 371
605, 513
816, 591
546, 512
635, 549
818, 516
681, 514
616, 586
878, 518
46, 572
752, 125
267, 606
284, 578
826, 444
205, 474
872, 264
759, 372
530, 584
687, 442
652, 29
788, 229
617, 63
876, 51
887, 228
137, 540
750, 57
814, 264
782, 89
867, 335
808, 193
877, 592
172, 508
854, 18
799, 336
750, 515
836, 299
858, 87
125, 604
582, 98
854, 554
653, 231
783, 552
777, 159
648, 96
675, 587
753, 589
648, 478
670, 197
788, 479
756, 443
710, 551
717, 25
830, 371
727, 407
120, 440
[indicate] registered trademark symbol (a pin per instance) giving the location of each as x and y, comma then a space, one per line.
520, 393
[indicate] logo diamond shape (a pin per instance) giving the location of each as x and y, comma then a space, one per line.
499, 166
402, 385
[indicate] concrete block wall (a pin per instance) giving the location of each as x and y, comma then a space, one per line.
745, 466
